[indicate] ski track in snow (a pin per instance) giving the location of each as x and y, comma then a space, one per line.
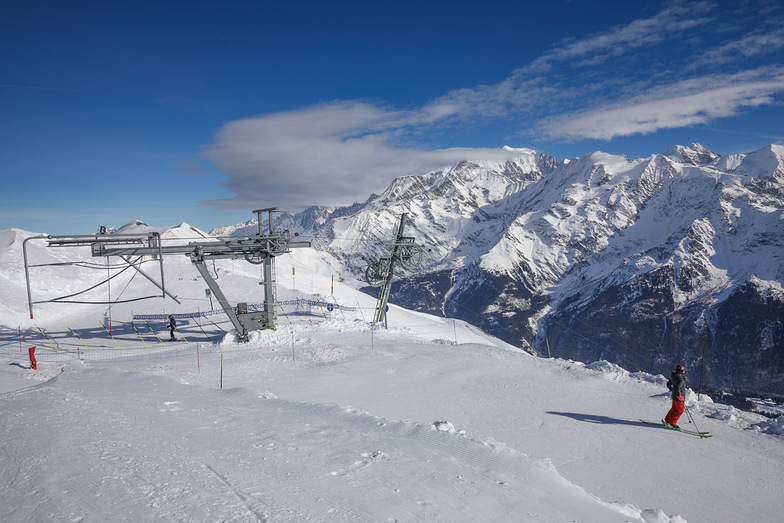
105, 442
328, 420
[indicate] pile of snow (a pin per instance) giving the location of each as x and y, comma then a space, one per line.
774, 426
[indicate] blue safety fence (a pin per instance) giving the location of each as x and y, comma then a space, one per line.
282, 308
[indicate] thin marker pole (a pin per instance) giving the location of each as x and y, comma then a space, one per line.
209, 320
360, 310
140, 335
110, 335
202, 330
153, 332
80, 339
45, 336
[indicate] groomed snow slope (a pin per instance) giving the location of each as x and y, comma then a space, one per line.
326, 419
107, 444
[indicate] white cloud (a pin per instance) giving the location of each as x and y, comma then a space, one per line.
687, 103
327, 154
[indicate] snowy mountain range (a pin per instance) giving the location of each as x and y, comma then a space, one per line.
643, 262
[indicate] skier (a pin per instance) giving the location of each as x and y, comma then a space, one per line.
676, 384
171, 326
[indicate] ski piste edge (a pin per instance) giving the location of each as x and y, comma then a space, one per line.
699, 434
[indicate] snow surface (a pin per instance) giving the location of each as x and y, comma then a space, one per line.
328, 419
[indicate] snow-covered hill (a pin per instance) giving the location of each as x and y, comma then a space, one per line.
327, 419
676, 257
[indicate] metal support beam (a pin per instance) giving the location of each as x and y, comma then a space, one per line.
160, 286
27, 270
213, 285
269, 289
386, 287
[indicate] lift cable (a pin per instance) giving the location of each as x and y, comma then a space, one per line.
64, 299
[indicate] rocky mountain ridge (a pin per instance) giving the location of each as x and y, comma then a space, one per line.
642, 262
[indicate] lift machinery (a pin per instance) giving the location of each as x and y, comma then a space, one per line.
258, 249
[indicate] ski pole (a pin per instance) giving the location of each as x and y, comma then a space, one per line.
181, 334
691, 418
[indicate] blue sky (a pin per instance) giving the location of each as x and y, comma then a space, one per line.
196, 111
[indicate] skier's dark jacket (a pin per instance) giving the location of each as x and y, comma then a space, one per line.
677, 384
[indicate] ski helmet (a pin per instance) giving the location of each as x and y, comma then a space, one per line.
680, 369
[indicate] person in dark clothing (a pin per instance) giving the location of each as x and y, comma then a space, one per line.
677, 384
171, 326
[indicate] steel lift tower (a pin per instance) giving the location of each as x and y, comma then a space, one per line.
258, 249
403, 251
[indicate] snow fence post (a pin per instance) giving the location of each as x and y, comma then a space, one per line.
33, 363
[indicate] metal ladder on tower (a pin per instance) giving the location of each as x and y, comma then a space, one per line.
273, 284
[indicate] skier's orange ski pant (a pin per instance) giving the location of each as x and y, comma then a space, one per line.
676, 411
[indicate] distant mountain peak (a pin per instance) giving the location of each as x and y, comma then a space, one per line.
134, 223
694, 154
767, 162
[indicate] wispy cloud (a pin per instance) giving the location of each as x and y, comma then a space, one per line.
683, 104
654, 73
757, 43
645, 32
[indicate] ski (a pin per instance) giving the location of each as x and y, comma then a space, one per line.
661, 425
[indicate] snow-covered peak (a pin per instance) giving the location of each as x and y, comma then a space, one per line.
9, 238
518, 150
134, 227
240, 229
729, 163
181, 231
767, 162
695, 154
